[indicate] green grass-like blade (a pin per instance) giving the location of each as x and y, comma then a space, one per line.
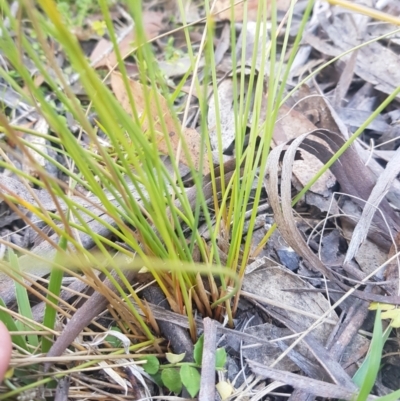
395, 396
23, 303
373, 361
19, 340
50, 312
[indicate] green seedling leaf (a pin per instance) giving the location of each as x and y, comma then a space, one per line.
374, 359
359, 376
174, 358
50, 313
172, 380
220, 358
190, 377
152, 364
198, 350
24, 306
114, 341
157, 379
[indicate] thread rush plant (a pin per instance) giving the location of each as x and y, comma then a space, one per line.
134, 187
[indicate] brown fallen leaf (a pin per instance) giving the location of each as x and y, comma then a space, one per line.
342, 32
191, 136
152, 22
193, 139
290, 125
101, 52
222, 7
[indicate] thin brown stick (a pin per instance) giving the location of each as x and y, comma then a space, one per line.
207, 382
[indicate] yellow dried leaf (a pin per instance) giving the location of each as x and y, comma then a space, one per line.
381, 306
224, 389
394, 315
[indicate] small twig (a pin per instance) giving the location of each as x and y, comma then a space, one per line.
207, 382
62, 390
312, 386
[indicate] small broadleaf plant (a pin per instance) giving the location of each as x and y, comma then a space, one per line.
177, 374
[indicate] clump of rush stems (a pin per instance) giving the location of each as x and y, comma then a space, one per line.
147, 206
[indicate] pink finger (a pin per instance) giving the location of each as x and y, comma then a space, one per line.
5, 349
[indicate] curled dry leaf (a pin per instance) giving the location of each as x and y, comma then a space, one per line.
344, 171
290, 125
348, 171
191, 137
318, 109
375, 198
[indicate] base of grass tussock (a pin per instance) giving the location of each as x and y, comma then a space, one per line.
117, 194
